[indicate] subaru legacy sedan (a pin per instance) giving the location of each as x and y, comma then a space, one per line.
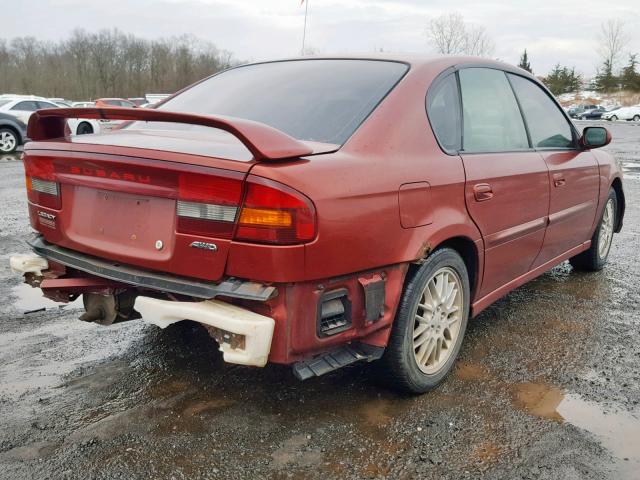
318, 212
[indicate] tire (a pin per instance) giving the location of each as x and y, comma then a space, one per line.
9, 140
613, 118
84, 128
636, 118
596, 257
400, 364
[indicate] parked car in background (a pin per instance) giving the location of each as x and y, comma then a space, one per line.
113, 102
153, 98
592, 114
23, 107
13, 133
577, 110
258, 225
83, 104
61, 102
624, 113
138, 101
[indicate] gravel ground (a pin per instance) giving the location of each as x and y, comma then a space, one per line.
547, 387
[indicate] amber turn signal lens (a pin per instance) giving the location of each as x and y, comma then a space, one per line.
28, 182
265, 217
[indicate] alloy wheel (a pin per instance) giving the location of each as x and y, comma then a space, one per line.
438, 318
606, 230
8, 142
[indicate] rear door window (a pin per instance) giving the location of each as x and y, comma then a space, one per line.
492, 121
548, 126
443, 109
46, 105
27, 106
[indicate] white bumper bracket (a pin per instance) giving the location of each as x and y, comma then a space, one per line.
257, 329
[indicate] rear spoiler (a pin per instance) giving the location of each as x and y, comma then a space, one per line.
264, 142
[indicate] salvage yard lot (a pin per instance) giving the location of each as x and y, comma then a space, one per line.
547, 386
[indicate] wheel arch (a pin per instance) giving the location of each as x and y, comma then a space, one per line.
467, 249
85, 122
15, 130
617, 187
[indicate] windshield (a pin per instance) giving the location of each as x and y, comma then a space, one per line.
315, 100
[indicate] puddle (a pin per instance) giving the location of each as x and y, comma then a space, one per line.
616, 430
29, 299
540, 400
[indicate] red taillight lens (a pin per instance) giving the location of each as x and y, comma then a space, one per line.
42, 188
207, 205
275, 213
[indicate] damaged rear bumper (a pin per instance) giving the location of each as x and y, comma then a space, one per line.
156, 281
244, 336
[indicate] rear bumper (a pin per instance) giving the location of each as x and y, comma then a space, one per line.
146, 279
250, 343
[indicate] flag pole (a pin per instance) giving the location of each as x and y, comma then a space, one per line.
304, 31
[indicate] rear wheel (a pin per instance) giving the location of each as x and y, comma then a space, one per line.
84, 128
8, 140
429, 325
636, 118
596, 257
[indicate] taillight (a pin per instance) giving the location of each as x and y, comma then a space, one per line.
207, 205
42, 188
275, 213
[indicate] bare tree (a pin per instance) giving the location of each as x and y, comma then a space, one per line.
106, 63
613, 39
450, 35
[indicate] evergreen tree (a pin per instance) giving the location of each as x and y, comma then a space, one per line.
606, 81
630, 78
524, 62
563, 80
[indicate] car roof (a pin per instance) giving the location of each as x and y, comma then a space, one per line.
440, 62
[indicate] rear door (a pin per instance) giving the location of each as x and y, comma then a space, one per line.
24, 109
574, 180
507, 182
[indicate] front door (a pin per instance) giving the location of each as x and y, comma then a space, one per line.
507, 182
574, 180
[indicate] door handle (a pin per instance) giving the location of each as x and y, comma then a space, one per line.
558, 180
482, 192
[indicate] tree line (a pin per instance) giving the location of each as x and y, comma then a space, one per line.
108, 63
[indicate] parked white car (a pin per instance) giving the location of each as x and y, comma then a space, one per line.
83, 104
22, 107
624, 113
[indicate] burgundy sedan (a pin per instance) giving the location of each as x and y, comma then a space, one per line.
322, 211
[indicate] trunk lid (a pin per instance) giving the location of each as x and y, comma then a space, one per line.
161, 205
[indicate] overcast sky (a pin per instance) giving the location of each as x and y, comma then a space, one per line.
553, 31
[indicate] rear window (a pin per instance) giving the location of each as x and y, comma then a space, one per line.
315, 100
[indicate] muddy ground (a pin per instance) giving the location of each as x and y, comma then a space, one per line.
547, 387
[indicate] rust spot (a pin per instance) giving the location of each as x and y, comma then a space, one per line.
424, 251
235, 340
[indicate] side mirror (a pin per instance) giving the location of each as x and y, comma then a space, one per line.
595, 137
